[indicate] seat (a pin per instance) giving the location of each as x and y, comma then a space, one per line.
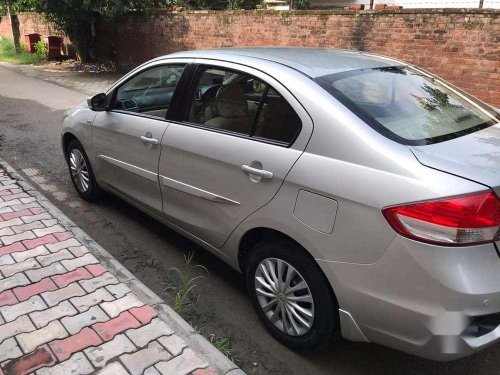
276, 121
232, 108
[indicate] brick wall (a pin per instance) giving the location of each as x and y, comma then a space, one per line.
32, 23
462, 46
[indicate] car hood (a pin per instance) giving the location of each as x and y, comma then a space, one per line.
475, 156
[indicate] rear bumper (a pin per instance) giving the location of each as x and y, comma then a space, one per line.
440, 303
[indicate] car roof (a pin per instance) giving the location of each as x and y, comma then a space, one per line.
313, 62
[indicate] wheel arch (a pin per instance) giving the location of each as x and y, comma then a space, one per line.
255, 235
66, 139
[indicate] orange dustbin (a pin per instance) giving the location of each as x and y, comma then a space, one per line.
30, 40
55, 45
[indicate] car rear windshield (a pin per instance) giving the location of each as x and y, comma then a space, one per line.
408, 105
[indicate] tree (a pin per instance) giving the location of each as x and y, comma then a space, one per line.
77, 18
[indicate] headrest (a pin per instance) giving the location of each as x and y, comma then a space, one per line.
232, 101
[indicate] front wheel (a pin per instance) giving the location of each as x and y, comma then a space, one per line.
291, 295
81, 172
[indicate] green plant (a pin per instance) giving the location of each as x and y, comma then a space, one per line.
8, 53
185, 288
41, 50
224, 346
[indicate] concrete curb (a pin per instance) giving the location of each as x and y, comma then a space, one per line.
218, 361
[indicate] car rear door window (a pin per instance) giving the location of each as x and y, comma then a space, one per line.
150, 91
240, 103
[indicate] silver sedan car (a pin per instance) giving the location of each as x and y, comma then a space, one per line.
357, 194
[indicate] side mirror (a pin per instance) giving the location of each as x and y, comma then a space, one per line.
98, 103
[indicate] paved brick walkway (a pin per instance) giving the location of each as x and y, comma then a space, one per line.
68, 307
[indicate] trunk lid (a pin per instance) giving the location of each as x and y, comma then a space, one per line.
475, 156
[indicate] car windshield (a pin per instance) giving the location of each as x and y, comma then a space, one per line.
409, 105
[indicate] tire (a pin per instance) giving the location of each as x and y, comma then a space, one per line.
92, 191
324, 306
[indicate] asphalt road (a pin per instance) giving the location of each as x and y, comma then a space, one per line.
30, 121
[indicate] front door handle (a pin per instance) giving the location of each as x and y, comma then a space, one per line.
257, 172
148, 139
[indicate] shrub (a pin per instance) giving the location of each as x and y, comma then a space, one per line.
41, 50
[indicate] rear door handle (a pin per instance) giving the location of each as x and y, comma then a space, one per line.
257, 172
149, 140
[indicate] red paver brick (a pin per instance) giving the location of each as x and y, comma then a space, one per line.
143, 314
16, 246
63, 349
7, 298
16, 191
37, 210
121, 323
30, 244
204, 371
5, 192
30, 362
67, 278
26, 292
63, 236
13, 215
96, 269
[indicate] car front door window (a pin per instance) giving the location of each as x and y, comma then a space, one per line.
150, 92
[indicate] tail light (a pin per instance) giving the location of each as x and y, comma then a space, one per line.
465, 220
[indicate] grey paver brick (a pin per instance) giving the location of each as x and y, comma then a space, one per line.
98, 282
100, 355
143, 335
54, 297
25, 227
75, 323
85, 302
173, 343
45, 260
8, 240
114, 368
78, 364
9, 350
115, 308
42, 318
49, 230
183, 364
118, 290
63, 245
30, 341
137, 362
12, 312
23, 255
73, 264
12, 269
41, 273
20, 325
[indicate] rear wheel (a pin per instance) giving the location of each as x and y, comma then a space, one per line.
291, 295
81, 172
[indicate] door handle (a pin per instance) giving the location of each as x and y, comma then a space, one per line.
149, 140
257, 172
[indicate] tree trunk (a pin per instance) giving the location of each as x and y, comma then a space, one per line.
14, 24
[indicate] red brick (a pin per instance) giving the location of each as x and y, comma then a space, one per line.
30, 244
67, 278
26, 292
16, 246
30, 362
63, 349
63, 236
37, 210
143, 314
16, 191
96, 269
12, 215
204, 371
5, 192
7, 298
121, 323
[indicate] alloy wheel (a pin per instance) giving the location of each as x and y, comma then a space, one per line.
79, 170
284, 296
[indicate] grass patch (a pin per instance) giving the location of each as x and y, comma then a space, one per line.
8, 53
224, 346
185, 288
